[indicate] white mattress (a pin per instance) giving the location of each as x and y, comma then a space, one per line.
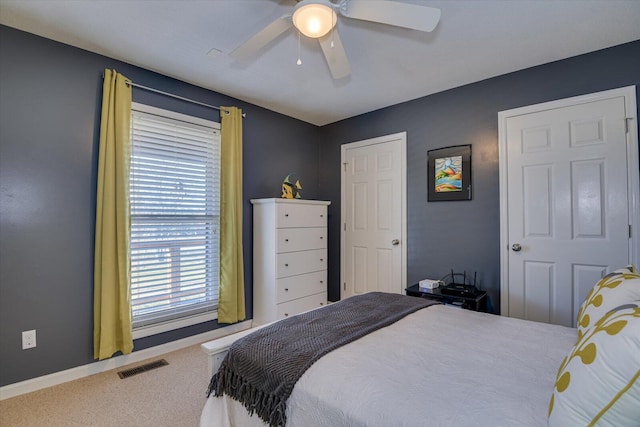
441, 366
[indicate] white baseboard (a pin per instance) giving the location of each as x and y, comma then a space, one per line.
56, 378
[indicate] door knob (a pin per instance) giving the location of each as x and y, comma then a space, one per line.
395, 242
516, 247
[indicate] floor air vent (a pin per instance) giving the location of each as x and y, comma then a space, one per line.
142, 368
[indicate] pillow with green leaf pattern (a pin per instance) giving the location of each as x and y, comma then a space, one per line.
598, 382
617, 288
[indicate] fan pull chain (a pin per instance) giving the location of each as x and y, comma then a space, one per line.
333, 26
299, 62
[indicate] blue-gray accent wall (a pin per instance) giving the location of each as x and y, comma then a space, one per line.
50, 100
463, 235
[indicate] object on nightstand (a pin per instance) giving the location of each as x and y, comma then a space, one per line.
464, 289
429, 284
459, 290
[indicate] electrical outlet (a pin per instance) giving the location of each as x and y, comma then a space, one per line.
28, 339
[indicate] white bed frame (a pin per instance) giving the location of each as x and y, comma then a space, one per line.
217, 349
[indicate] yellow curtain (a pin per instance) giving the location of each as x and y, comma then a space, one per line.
231, 298
112, 303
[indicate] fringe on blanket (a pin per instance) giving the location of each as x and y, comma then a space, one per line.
268, 407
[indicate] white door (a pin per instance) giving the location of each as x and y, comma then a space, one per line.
568, 212
373, 249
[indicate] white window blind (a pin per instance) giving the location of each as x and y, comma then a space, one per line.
175, 214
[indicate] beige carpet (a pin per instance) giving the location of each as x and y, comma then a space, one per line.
171, 395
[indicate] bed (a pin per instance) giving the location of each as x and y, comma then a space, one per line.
446, 366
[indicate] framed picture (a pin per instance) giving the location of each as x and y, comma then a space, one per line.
449, 173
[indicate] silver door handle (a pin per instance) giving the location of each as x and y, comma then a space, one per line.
516, 247
395, 242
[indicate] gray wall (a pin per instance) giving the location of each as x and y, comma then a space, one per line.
463, 235
49, 128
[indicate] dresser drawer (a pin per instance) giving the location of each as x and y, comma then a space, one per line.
297, 306
291, 215
294, 263
295, 287
301, 239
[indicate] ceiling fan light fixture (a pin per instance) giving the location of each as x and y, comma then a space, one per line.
314, 18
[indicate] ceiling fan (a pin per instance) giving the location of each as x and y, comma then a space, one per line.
317, 19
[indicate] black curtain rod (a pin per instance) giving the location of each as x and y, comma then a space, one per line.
150, 89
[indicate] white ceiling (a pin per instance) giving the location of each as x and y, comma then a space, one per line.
475, 40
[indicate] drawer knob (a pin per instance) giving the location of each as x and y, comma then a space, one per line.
321, 260
286, 265
286, 214
321, 303
286, 240
321, 281
321, 237
321, 216
286, 315
286, 289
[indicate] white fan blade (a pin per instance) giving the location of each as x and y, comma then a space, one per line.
262, 38
416, 17
336, 56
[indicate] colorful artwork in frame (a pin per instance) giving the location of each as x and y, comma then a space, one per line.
449, 173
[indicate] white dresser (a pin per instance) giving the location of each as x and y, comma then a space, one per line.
289, 257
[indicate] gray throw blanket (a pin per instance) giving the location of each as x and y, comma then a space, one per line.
262, 368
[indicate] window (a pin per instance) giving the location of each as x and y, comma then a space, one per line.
175, 214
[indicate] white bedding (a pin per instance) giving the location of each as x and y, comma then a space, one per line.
441, 366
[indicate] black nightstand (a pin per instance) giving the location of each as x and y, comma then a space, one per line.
477, 302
